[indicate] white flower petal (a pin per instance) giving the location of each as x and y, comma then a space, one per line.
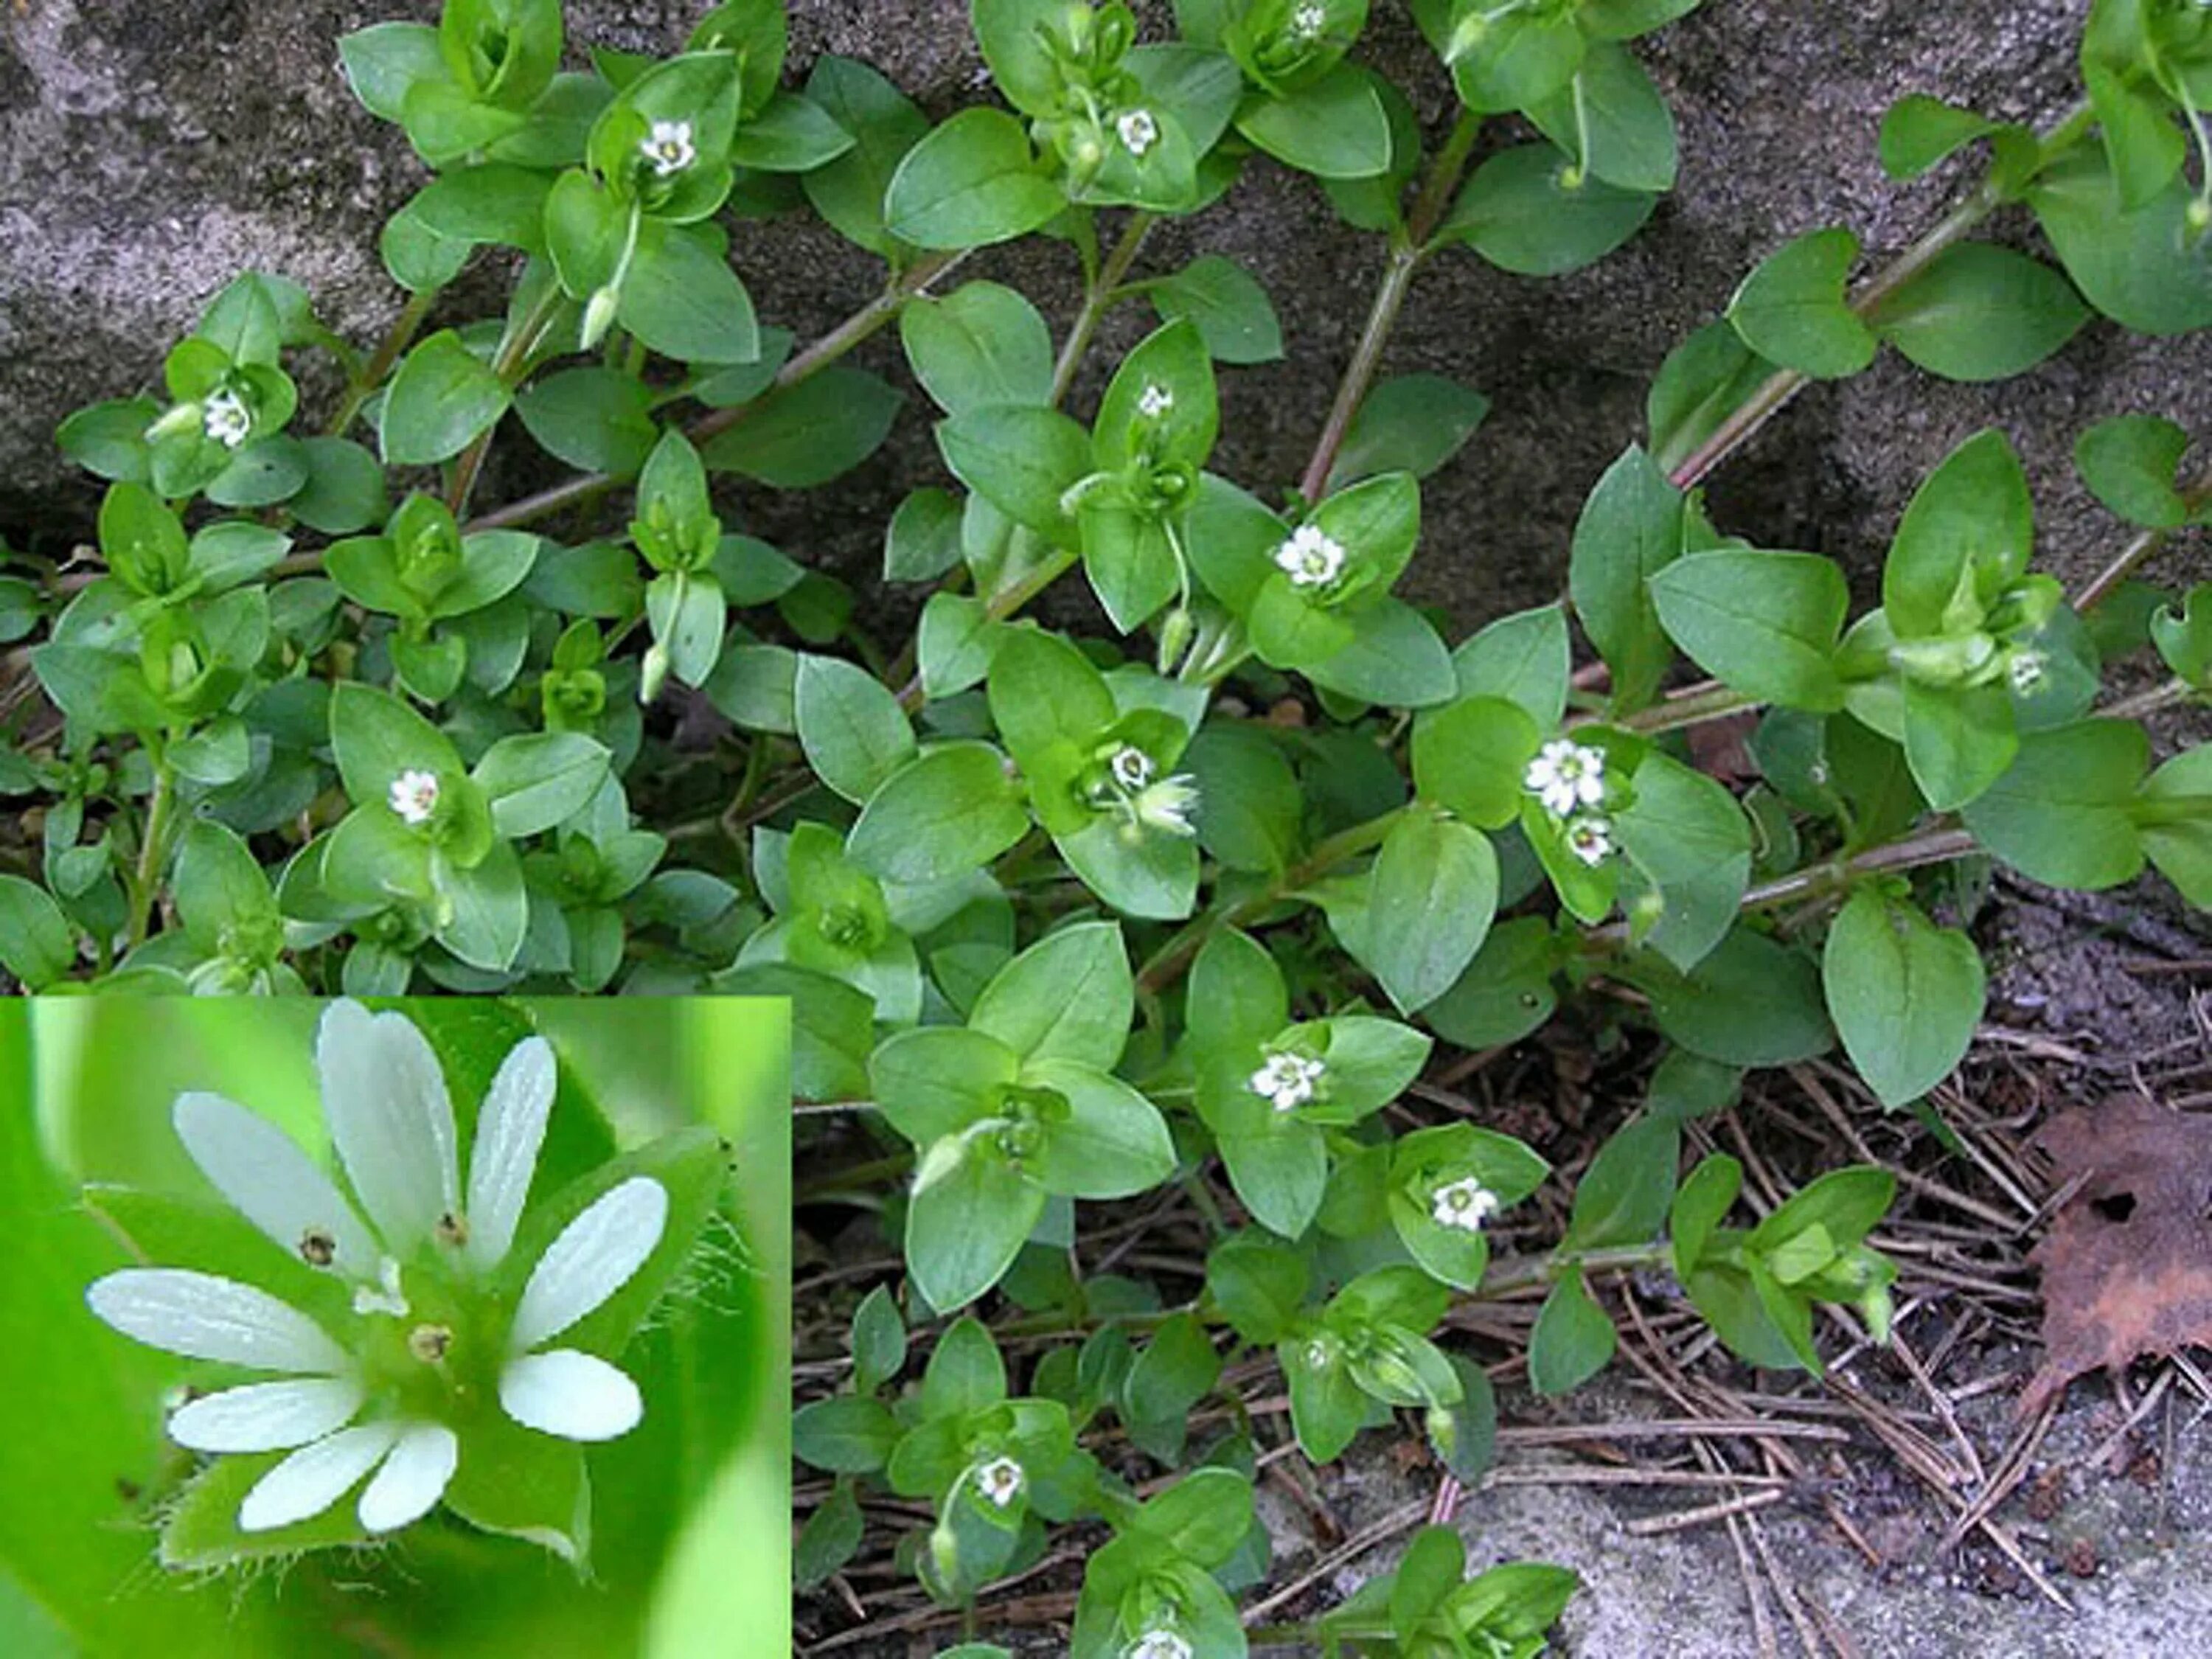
314, 1476
203, 1317
272, 1182
574, 1395
413, 1479
593, 1257
509, 1131
267, 1416
391, 1119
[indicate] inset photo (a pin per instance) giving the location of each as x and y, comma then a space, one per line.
434, 1328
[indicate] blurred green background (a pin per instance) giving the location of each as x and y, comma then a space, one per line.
691, 1521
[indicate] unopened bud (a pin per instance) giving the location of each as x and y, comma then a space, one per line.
600, 317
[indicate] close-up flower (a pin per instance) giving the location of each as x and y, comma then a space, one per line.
1167, 803
1287, 1080
1154, 402
1000, 1481
430, 1329
1566, 775
1465, 1204
1589, 838
225, 418
669, 148
414, 796
1139, 131
1158, 1644
1311, 557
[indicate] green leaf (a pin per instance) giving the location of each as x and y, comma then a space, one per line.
791, 134
809, 433
1177, 1370
36, 943
1792, 309
1958, 741
375, 738
950, 809
1626, 1193
1980, 312
1472, 756
922, 541
1918, 131
1703, 1201
970, 182
1424, 1162
1113, 1143
830, 1538
1068, 997
1686, 834
345, 491
1171, 359
981, 344
1572, 1342
1331, 128
1505, 993
2060, 813
1232, 312
1519, 212
1410, 423
597, 420
490, 910
1905, 994
1752, 1002
2142, 269
443, 397
1022, 460
1704, 380
966, 1223
854, 731
683, 299
1394, 658
537, 780
2128, 462
1433, 892
2174, 813
1258, 1283
1973, 511
1504, 59
1613, 120
879, 1344
222, 898
1763, 624
884, 123
846, 1434
1630, 530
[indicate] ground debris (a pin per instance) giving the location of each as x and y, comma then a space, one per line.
2127, 1265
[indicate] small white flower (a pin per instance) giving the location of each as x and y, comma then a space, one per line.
1589, 838
669, 148
1319, 1356
414, 796
1311, 557
1464, 1204
224, 418
1156, 401
1140, 132
2026, 672
1286, 1080
1565, 775
1309, 21
1000, 1480
1132, 767
392, 1122
1168, 805
1158, 1644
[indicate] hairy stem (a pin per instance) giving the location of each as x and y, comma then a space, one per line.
1097, 301
153, 851
1408, 247
1776, 392
402, 332
511, 364
863, 323
2194, 495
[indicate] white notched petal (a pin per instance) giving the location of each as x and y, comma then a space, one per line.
314, 1476
592, 1258
271, 1181
509, 1131
267, 1416
413, 1479
203, 1317
391, 1119
574, 1395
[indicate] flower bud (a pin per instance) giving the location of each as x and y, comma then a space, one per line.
598, 317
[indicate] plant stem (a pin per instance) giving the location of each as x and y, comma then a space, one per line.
1772, 394
1504, 1277
1938, 844
1098, 300
1408, 247
1161, 967
2100, 587
153, 851
396, 341
808, 363
2148, 702
1692, 706
511, 364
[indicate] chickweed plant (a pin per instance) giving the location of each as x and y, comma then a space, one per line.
1074, 916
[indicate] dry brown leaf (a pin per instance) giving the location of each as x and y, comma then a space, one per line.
2127, 1265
